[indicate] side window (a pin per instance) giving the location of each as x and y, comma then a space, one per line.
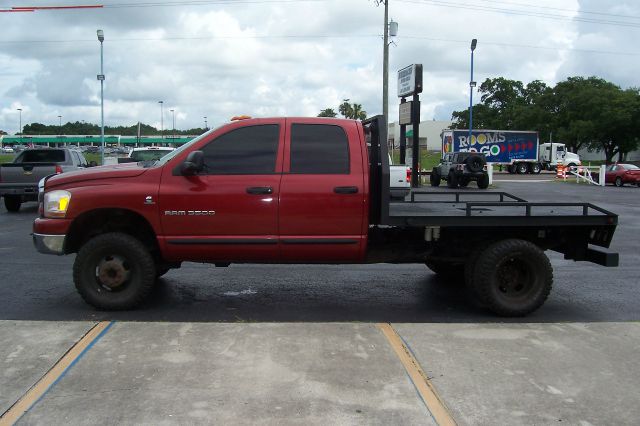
319, 149
248, 150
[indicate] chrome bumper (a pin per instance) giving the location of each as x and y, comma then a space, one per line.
49, 244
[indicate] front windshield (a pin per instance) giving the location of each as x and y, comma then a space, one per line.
164, 160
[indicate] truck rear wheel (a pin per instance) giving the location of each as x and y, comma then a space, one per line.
114, 271
12, 203
535, 168
512, 278
522, 168
434, 177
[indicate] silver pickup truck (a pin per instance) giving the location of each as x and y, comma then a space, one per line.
19, 179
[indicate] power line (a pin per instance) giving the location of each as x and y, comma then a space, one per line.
528, 46
586, 12
320, 36
201, 3
468, 6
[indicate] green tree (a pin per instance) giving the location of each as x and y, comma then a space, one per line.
328, 112
345, 108
353, 111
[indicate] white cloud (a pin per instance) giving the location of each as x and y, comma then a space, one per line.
295, 58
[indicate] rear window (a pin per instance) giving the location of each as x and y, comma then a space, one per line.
319, 149
42, 156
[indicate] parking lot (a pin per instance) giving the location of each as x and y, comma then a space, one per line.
313, 344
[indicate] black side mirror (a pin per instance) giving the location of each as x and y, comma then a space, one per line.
92, 164
194, 164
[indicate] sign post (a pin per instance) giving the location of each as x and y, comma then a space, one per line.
410, 83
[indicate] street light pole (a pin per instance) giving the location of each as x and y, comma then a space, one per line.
161, 119
101, 78
173, 116
20, 109
60, 124
472, 84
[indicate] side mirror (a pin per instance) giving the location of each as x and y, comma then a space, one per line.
92, 164
194, 164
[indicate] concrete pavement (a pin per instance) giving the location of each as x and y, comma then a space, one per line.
339, 373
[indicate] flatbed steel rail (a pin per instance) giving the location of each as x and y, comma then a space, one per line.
457, 195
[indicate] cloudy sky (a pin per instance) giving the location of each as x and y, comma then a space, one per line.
292, 57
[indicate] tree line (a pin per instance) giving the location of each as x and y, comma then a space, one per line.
582, 112
84, 128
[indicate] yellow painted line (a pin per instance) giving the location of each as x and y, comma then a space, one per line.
425, 388
37, 391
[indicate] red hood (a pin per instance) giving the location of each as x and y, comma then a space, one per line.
125, 170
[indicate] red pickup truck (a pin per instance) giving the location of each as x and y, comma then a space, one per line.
302, 190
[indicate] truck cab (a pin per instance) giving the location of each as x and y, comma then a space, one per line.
553, 154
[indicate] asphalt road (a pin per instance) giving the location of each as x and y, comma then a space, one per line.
40, 287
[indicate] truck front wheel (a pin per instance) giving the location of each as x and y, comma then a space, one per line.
12, 203
512, 278
114, 271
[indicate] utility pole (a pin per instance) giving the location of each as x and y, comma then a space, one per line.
101, 78
385, 67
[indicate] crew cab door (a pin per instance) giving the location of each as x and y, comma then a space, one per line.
229, 211
322, 196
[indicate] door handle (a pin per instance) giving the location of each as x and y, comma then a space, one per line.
259, 190
345, 189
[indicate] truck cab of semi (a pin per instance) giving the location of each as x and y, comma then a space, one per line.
553, 154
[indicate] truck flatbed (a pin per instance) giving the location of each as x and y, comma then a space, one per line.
491, 208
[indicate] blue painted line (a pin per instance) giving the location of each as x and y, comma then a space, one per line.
74, 362
404, 342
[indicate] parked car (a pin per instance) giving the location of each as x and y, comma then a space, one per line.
619, 174
7, 150
399, 180
19, 179
460, 168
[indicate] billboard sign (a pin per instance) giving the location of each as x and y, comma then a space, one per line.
499, 146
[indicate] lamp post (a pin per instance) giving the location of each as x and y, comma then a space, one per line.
173, 116
390, 29
161, 119
60, 124
20, 129
472, 84
101, 78
205, 124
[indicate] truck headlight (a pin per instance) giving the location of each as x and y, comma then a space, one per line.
56, 203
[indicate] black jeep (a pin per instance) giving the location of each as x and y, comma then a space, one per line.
460, 168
